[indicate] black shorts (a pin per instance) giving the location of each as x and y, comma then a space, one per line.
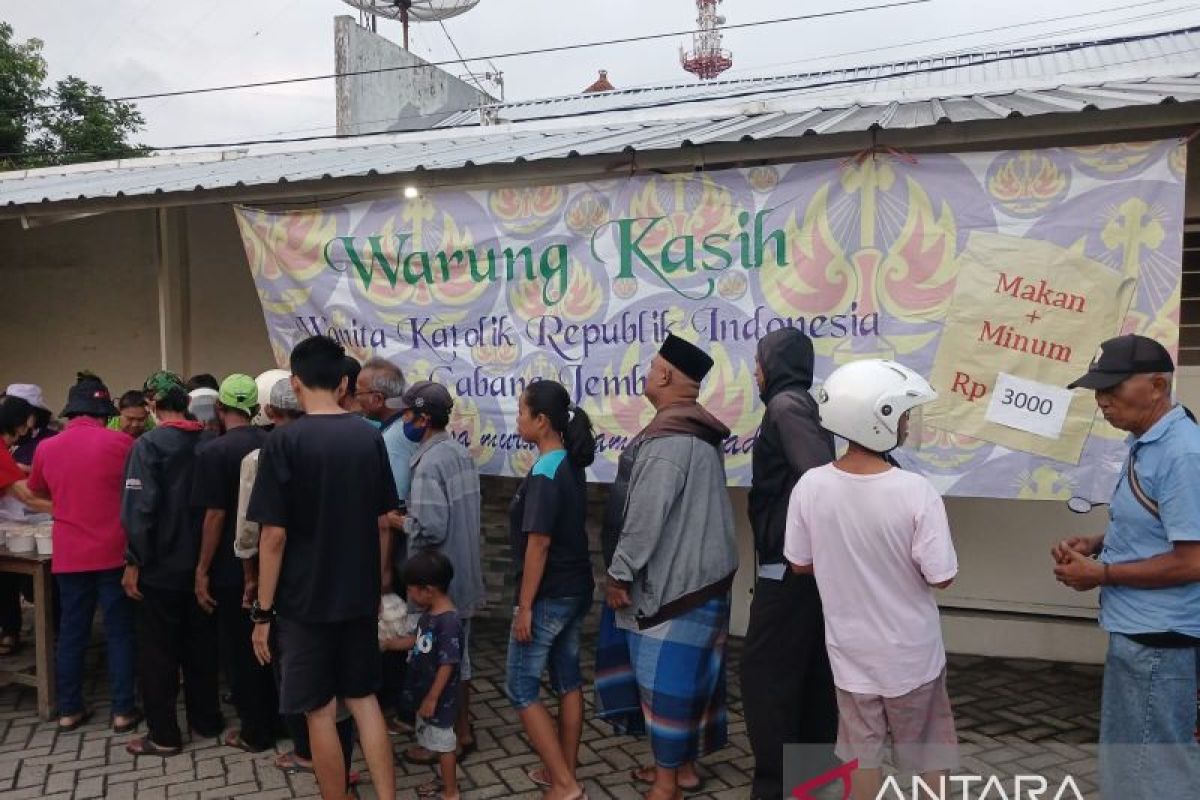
321, 661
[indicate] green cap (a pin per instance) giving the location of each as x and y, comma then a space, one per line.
162, 382
239, 391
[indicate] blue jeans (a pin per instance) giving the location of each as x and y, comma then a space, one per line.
556, 625
1148, 722
79, 593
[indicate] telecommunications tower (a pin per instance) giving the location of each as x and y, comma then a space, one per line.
706, 60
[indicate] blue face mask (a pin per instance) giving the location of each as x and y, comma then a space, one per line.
412, 432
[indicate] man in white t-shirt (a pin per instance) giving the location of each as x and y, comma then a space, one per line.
878, 542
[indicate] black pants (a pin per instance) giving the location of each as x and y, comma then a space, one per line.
787, 686
251, 684
174, 634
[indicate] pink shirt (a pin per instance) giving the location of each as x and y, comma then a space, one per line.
876, 543
82, 470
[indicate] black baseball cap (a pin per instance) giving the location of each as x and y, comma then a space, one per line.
1121, 358
423, 397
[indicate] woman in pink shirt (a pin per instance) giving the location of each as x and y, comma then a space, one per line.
81, 471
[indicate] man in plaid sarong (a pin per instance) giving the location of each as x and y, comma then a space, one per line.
670, 576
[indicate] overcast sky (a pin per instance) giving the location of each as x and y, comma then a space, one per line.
139, 46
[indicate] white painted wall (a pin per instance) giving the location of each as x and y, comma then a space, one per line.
403, 99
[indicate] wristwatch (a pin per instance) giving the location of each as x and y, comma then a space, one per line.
260, 615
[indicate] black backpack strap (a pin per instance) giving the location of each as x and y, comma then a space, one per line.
1135, 486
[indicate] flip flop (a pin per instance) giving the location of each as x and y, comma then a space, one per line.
145, 747
135, 719
537, 777
83, 719
638, 777
432, 789
289, 763
233, 738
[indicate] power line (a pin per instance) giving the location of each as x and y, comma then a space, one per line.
930, 69
493, 56
993, 45
962, 35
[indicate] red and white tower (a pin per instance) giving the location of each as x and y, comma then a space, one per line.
707, 60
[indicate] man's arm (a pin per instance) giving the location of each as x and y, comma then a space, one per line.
270, 562
805, 443
1178, 566
214, 521
427, 522
139, 504
385, 553
654, 486
28, 497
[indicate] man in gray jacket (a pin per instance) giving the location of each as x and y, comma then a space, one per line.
787, 684
673, 568
444, 514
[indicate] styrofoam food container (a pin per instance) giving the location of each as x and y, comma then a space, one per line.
19, 541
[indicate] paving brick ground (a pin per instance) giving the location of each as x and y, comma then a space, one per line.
1015, 717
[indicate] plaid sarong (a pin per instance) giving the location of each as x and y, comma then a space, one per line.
679, 667
617, 698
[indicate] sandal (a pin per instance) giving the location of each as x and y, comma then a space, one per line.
431, 789
413, 755
233, 738
78, 720
538, 777
130, 725
638, 775
145, 747
289, 762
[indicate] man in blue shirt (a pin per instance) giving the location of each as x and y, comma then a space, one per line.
378, 381
1148, 568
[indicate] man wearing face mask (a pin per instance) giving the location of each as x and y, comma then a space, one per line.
444, 515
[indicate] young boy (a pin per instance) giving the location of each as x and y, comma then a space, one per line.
435, 653
877, 540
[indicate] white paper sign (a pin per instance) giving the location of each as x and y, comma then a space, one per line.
1037, 408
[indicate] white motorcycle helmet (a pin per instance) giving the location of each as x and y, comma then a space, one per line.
265, 383
863, 401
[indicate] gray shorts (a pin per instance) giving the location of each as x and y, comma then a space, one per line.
919, 726
435, 739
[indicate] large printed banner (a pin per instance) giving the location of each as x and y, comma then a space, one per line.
995, 274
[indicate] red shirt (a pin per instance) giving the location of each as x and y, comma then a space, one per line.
10, 473
83, 472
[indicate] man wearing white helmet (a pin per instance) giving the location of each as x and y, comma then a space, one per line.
877, 540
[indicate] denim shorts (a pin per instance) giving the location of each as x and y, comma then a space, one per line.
556, 625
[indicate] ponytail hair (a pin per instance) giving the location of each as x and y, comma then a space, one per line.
551, 399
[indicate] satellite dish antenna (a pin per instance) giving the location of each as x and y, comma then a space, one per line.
406, 11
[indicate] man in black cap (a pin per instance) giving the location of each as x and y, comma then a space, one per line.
672, 569
1148, 567
787, 684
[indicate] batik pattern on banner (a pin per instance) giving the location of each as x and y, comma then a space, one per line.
890, 255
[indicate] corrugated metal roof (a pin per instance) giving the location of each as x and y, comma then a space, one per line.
966, 74
723, 120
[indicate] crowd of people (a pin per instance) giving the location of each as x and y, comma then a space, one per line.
256, 529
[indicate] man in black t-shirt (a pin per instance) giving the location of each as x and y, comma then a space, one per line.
322, 495
221, 586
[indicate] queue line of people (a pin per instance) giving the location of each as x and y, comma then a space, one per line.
274, 548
